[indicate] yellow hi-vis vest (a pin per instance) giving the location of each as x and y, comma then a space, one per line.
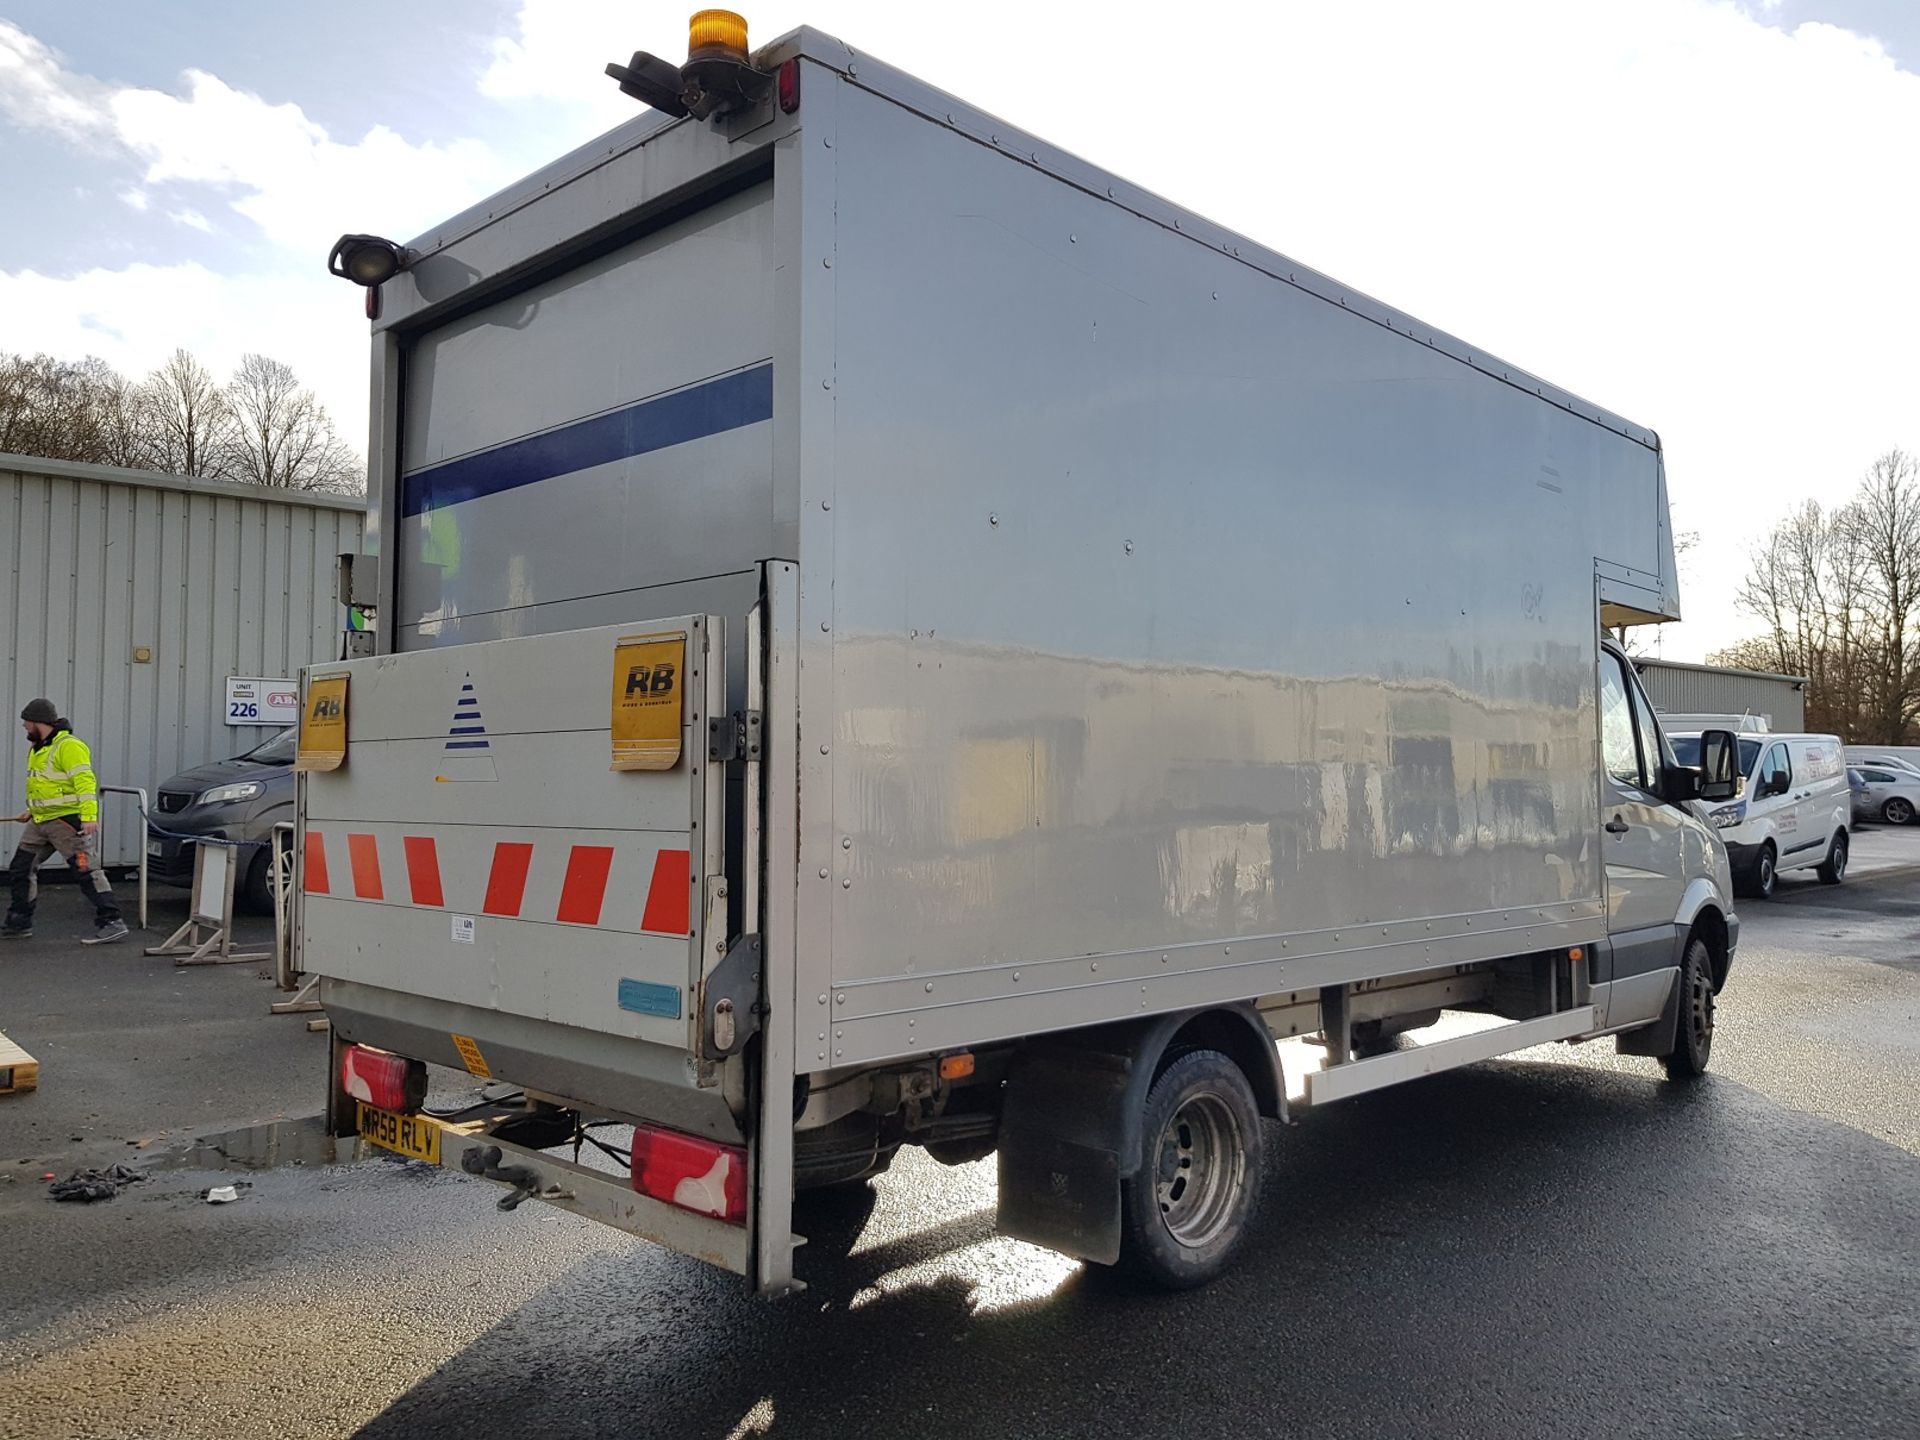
60, 780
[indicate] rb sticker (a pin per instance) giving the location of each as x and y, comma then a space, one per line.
648, 671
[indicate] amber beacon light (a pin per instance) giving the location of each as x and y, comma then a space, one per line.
717, 35
717, 80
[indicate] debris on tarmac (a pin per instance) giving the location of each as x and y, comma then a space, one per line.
225, 1194
91, 1185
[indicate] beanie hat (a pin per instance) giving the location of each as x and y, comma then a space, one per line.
40, 712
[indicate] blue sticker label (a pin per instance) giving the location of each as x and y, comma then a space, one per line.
646, 998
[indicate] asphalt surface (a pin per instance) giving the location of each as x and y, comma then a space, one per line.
1559, 1244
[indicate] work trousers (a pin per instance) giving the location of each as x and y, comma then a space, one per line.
61, 834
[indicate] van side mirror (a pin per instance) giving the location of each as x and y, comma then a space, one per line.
1680, 784
1719, 766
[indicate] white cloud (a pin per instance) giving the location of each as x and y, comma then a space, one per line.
37, 93
277, 167
268, 162
134, 318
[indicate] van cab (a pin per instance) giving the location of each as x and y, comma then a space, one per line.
1794, 813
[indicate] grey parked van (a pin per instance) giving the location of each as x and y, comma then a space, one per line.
238, 799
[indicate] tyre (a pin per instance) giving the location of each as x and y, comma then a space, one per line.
1834, 868
1693, 1035
1187, 1209
1897, 811
1763, 877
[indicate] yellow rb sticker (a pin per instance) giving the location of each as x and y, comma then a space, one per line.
323, 726
648, 675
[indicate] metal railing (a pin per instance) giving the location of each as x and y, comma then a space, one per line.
140, 795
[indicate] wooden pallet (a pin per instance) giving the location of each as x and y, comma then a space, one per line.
19, 1071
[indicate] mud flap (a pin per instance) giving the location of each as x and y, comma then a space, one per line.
1658, 1039
1059, 1162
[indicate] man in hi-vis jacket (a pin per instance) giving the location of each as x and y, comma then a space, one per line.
62, 814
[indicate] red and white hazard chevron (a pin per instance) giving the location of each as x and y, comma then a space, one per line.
591, 874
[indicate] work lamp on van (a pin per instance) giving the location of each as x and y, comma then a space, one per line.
367, 260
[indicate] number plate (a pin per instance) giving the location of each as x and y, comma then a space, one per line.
414, 1136
154, 847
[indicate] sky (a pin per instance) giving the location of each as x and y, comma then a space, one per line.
1703, 215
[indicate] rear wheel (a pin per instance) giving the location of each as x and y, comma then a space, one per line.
1192, 1199
1834, 869
1897, 811
1693, 1036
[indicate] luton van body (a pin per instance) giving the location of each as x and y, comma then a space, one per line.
887, 634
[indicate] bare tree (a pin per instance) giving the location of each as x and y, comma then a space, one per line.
191, 420
1839, 593
1884, 523
281, 435
53, 408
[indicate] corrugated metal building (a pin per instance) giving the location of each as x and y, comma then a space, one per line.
134, 596
1680, 689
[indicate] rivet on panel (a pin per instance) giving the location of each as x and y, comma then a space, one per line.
828, 505
826, 384
1129, 547
823, 875
823, 1054
1073, 239
846, 884
1016, 976
846, 842
993, 519
823, 999
838, 1053
826, 262
826, 627
912, 1023
841, 998
929, 987
823, 1035
1096, 966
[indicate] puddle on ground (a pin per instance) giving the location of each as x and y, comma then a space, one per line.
303, 1141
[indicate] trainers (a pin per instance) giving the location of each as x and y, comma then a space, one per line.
112, 930
15, 932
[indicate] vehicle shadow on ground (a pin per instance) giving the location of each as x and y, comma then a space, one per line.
1465, 1256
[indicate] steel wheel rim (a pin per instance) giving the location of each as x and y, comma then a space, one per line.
1199, 1169
1766, 873
1899, 811
1840, 857
1700, 1009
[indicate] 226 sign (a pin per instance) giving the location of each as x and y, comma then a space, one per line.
645, 722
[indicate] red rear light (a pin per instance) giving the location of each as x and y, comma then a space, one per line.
382, 1079
695, 1174
789, 87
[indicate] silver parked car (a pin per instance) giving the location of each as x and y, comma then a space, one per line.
1886, 794
238, 799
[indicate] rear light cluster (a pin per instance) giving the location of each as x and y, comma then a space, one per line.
382, 1079
698, 1175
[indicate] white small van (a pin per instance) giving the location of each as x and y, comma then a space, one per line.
1794, 812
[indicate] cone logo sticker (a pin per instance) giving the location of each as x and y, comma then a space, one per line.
468, 754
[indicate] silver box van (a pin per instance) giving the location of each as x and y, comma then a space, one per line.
1795, 813
888, 634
